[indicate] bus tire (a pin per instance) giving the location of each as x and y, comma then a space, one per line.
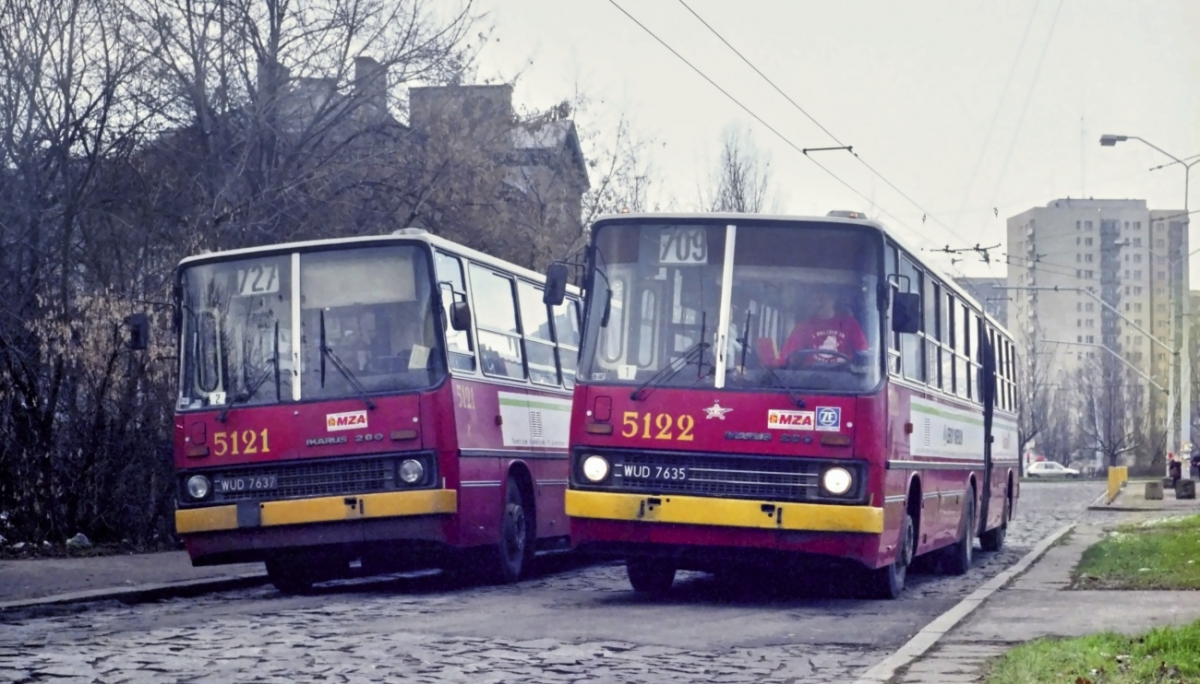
888, 582
648, 575
290, 576
959, 555
507, 561
993, 539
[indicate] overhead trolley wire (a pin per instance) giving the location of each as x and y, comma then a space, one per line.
811, 118
759, 119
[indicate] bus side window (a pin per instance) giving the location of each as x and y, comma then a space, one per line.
539, 342
495, 312
891, 268
567, 334
912, 347
452, 288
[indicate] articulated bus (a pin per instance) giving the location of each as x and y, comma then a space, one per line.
371, 404
756, 390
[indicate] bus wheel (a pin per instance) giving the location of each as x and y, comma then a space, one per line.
650, 575
888, 582
958, 557
289, 575
993, 539
509, 558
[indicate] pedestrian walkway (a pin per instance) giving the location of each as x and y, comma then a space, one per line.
1038, 604
1132, 498
64, 580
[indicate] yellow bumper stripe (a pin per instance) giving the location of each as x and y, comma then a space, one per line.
322, 509
694, 510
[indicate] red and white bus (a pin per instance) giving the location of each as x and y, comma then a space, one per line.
384, 402
756, 389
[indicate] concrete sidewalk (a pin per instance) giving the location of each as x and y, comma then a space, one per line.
1038, 604
47, 581
1132, 498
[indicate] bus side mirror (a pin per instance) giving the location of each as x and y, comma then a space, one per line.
556, 284
906, 312
139, 331
460, 316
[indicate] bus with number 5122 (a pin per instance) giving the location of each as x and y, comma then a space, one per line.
760, 391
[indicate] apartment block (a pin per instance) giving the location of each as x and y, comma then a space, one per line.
1119, 269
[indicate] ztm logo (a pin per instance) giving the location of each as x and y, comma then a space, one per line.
829, 418
354, 420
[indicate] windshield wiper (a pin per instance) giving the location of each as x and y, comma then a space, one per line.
326, 352
771, 375
272, 369
671, 369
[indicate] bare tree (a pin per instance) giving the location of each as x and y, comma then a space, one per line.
1033, 393
742, 179
1112, 409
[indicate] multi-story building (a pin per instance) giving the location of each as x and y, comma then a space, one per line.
1120, 273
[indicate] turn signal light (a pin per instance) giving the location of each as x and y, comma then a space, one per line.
401, 435
196, 451
599, 429
835, 440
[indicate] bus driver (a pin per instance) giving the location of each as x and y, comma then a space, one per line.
825, 329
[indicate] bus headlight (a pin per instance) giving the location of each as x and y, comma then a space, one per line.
411, 471
837, 481
198, 487
595, 468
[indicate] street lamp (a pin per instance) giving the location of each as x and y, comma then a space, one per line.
1185, 365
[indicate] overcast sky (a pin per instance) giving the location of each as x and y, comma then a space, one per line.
968, 107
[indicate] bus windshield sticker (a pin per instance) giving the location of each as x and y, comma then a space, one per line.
829, 418
258, 279
790, 420
626, 371
681, 246
419, 357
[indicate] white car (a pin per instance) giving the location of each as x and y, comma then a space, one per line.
1050, 469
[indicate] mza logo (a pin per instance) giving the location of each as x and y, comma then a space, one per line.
829, 418
354, 420
790, 420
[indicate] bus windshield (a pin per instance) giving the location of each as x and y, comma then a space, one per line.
801, 308
364, 319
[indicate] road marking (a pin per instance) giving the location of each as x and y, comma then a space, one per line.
941, 625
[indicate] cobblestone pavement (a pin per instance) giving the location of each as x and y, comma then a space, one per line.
570, 623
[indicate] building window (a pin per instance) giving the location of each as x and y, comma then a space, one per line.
1162, 275
1087, 225
1137, 225
1087, 242
1077, 225
1137, 242
1088, 274
1091, 339
1137, 258
1078, 239
1137, 275
1088, 306
1078, 306
1078, 258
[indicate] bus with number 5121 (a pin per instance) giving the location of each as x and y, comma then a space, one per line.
369, 405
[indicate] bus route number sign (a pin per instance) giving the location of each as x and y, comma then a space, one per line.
681, 246
258, 279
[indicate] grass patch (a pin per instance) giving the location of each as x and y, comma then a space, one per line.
1165, 654
1157, 554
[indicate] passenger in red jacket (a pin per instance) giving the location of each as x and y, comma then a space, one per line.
826, 329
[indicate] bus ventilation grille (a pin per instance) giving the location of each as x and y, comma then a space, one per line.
302, 480
777, 479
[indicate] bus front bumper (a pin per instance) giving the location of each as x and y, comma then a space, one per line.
256, 514
694, 510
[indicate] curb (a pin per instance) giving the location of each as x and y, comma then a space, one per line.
926, 638
141, 593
